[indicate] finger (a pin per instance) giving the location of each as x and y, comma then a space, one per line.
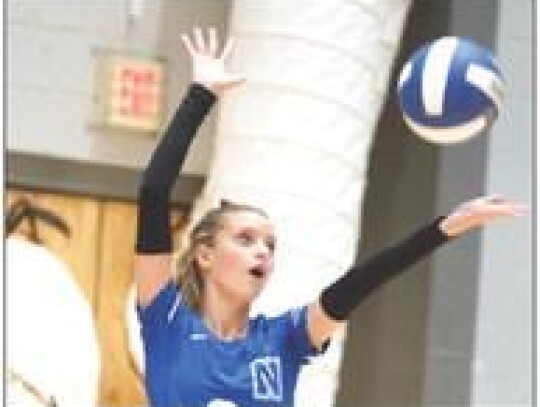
521, 209
231, 81
188, 44
235, 79
212, 41
229, 45
507, 209
496, 199
516, 209
199, 40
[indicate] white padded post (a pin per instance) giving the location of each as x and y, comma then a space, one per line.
295, 140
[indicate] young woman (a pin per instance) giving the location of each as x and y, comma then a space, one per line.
201, 347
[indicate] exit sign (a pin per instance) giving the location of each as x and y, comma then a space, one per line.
129, 91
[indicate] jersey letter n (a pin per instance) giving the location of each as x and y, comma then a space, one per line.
267, 378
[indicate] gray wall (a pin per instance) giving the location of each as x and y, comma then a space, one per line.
50, 66
454, 288
385, 350
479, 334
455, 330
503, 353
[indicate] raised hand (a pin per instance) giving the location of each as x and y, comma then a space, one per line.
208, 63
475, 213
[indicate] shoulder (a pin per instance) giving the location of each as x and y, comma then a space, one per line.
288, 331
164, 307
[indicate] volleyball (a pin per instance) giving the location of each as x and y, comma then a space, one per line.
450, 90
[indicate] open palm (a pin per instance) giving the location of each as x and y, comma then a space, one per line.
477, 212
208, 63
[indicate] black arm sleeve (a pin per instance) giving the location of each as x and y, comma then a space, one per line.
341, 297
153, 229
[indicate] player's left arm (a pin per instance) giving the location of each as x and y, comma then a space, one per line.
337, 301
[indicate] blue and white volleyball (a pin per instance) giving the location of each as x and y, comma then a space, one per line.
450, 90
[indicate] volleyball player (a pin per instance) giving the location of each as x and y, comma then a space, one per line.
201, 347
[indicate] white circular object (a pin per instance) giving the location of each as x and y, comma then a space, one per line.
450, 90
51, 344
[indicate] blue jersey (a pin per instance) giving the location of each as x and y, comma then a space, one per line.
188, 366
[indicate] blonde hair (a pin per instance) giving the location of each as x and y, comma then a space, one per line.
204, 232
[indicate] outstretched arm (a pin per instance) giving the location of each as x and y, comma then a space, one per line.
339, 299
154, 241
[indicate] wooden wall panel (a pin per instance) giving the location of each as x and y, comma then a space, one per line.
100, 254
119, 384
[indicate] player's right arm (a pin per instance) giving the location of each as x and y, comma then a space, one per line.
154, 238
